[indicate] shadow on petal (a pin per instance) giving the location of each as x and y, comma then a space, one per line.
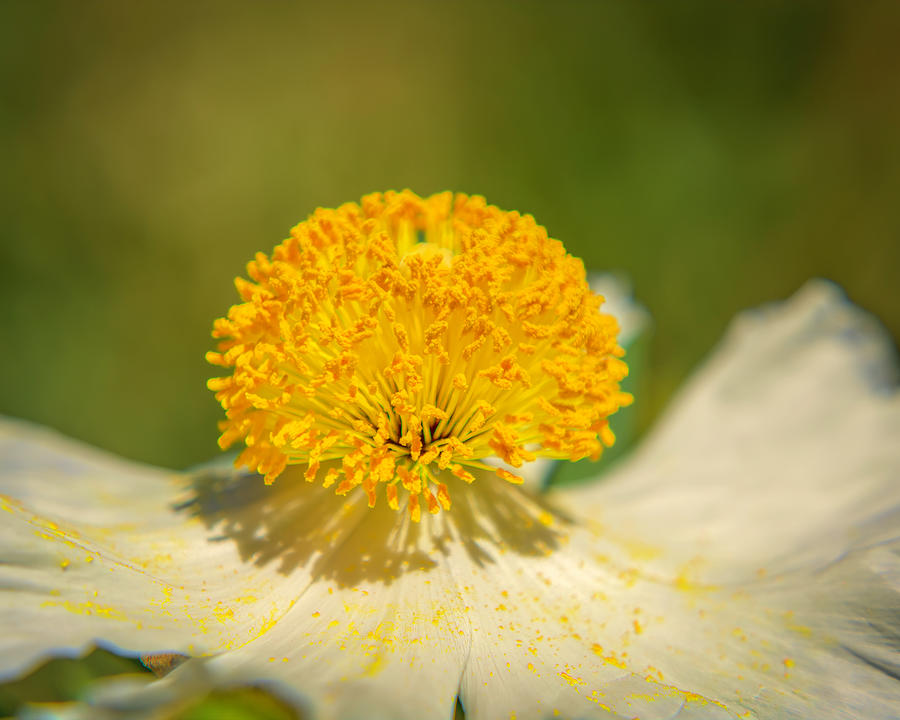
298, 524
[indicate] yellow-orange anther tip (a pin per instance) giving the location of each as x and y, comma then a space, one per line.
509, 477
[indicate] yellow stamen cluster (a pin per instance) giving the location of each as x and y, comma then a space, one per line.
400, 341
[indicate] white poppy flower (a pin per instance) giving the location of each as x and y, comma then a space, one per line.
742, 563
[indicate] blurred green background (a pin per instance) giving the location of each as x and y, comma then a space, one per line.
720, 153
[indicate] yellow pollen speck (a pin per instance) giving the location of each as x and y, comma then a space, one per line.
87, 608
571, 679
609, 658
223, 614
802, 629
366, 343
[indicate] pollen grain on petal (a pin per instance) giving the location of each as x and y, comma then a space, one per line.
393, 344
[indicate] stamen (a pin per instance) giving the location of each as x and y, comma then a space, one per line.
399, 341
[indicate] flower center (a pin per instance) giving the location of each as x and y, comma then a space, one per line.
401, 341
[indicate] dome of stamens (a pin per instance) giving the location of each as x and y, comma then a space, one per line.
401, 341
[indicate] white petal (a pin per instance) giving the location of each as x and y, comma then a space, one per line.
379, 633
96, 550
586, 636
363, 617
779, 451
765, 515
550, 626
59, 588
486, 598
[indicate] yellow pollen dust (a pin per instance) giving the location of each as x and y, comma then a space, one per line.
401, 341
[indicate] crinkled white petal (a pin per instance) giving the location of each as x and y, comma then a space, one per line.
67, 577
368, 618
781, 453
94, 549
583, 634
380, 632
765, 511
489, 600
385, 628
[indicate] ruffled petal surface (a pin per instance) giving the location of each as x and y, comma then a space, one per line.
68, 572
345, 609
780, 454
380, 632
763, 520
97, 550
